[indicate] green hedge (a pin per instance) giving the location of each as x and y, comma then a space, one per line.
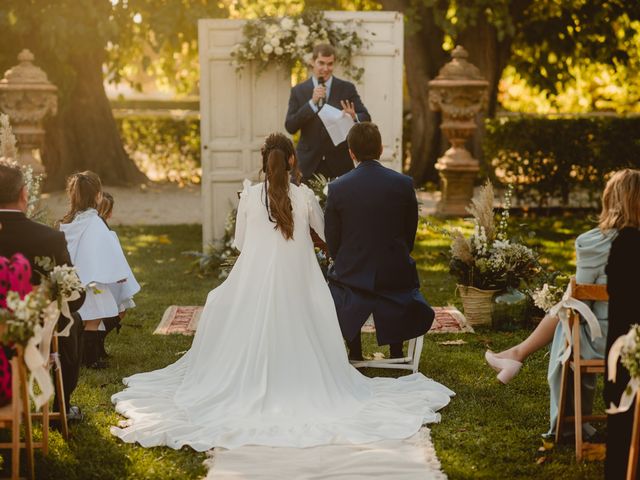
164, 148
547, 158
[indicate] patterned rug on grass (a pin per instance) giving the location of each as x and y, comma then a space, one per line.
184, 320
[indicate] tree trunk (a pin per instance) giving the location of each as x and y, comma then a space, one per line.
84, 136
490, 55
423, 58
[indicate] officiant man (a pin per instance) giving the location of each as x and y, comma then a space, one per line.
316, 152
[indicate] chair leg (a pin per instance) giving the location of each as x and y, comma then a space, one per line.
15, 444
562, 405
45, 428
577, 388
28, 431
59, 385
632, 464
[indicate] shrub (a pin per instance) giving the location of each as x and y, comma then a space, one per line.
546, 158
164, 148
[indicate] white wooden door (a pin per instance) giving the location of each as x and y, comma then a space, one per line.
381, 85
238, 111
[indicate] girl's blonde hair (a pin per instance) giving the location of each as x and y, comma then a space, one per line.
82, 190
621, 201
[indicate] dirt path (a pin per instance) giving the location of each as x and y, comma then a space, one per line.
165, 204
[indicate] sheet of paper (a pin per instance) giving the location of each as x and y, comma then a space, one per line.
336, 122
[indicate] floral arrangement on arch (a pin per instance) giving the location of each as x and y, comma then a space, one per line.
290, 40
488, 259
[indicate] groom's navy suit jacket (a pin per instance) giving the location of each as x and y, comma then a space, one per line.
315, 145
371, 220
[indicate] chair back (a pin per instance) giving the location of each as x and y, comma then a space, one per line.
589, 291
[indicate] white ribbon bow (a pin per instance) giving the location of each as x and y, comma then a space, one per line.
66, 311
36, 356
562, 310
631, 390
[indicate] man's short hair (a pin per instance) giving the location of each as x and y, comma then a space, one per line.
364, 141
323, 49
11, 182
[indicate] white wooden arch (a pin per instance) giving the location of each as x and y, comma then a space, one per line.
238, 111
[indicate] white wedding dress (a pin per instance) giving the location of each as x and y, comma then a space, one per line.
268, 365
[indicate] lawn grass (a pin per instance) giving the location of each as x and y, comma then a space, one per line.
488, 431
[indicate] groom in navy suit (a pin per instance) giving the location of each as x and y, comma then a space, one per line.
316, 152
371, 219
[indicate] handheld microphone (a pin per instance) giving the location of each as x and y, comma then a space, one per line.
321, 100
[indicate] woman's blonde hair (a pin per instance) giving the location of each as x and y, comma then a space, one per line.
82, 190
621, 201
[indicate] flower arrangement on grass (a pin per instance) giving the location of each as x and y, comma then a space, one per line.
289, 41
488, 259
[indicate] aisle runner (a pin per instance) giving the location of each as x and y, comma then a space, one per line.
184, 320
410, 459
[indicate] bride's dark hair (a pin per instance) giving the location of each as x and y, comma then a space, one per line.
276, 152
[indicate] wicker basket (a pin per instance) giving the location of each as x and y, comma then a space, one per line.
477, 304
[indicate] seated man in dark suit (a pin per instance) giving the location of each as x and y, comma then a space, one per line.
371, 220
18, 234
315, 151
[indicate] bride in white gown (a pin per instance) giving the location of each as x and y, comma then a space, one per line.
268, 365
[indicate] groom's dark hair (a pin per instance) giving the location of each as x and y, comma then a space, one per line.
11, 182
364, 141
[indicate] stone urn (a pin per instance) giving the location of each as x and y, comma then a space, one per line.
460, 93
27, 96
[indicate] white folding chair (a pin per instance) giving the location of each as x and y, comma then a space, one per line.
410, 362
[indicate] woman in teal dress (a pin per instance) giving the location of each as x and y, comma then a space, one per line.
592, 252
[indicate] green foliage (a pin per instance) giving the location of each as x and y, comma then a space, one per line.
157, 36
555, 35
550, 158
164, 148
587, 85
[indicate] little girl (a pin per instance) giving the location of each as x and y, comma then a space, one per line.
101, 264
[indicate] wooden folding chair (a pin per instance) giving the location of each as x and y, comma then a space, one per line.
410, 362
17, 413
634, 446
579, 366
61, 415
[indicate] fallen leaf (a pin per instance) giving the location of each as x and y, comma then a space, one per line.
453, 342
546, 445
594, 452
541, 460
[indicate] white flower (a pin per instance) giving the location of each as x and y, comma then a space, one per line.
278, 51
286, 23
275, 41
307, 58
267, 48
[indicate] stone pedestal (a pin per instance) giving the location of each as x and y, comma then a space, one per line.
27, 96
460, 93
